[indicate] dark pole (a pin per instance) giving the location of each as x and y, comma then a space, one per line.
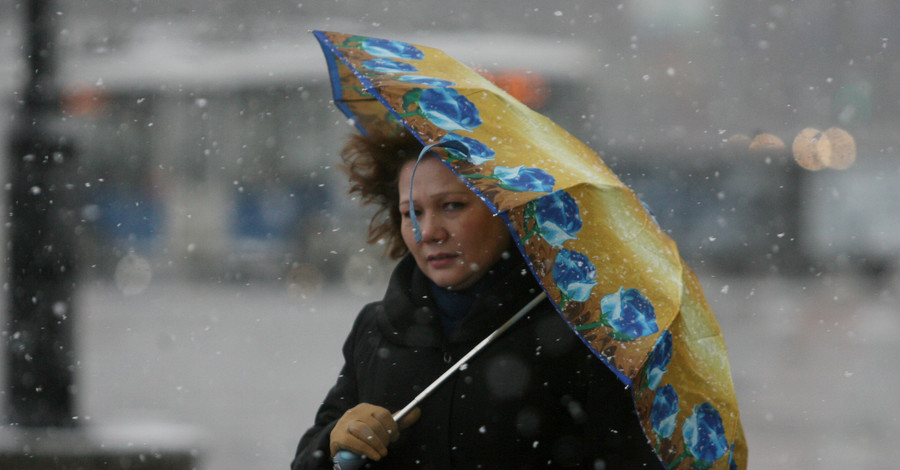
42, 219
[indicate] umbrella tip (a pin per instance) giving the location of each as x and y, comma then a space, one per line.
417, 231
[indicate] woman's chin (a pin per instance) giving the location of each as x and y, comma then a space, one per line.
448, 281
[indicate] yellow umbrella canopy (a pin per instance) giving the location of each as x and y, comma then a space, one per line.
611, 272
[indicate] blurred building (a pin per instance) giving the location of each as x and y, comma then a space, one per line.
220, 160
209, 145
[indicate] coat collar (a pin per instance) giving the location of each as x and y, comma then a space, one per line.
409, 316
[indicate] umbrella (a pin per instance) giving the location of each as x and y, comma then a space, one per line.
608, 268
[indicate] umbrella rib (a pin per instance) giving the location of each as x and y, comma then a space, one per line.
356, 100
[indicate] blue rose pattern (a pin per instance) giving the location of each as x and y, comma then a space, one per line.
574, 275
557, 218
664, 412
388, 66
478, 153
629, 313
447, 109
391, 49
521, 178
704, 434
424, 80
659, 360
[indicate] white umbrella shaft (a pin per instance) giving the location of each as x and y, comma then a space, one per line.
486, 341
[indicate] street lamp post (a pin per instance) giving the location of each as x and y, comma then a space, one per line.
43, 201
41, 251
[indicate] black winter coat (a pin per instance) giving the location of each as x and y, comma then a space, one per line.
535, 398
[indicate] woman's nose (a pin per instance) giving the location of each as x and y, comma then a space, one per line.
432, 228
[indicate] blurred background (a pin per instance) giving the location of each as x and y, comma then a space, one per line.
220, 263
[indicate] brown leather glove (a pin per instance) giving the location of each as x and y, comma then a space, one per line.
367, 430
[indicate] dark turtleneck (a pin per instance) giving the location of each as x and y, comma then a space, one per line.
454, 305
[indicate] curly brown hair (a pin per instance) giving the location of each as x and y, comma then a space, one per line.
373, 164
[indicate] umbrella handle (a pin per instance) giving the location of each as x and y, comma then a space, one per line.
346, 460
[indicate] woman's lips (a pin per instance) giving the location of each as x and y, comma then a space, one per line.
442, 260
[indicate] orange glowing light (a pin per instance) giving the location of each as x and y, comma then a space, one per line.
528, 87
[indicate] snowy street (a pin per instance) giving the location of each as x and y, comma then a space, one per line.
247, 365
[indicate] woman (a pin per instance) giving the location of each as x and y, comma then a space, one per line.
535, 398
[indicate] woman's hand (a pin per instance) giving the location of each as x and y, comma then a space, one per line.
367, 430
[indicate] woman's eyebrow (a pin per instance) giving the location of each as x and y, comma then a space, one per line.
451, 193
439, 195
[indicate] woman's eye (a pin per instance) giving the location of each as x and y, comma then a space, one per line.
454, 205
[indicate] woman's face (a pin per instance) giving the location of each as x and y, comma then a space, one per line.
461, 239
